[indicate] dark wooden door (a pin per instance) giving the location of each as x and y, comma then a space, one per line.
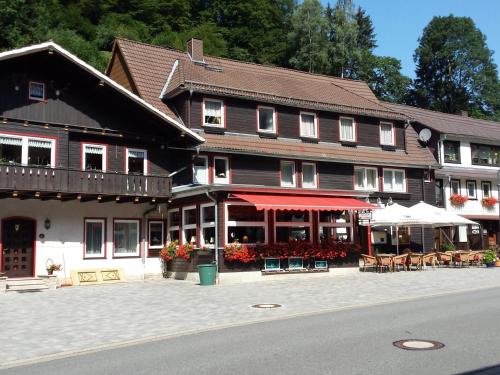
18, 238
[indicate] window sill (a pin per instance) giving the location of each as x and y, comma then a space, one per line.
388, 147
267, 135
214, 129
93, 258
452, 162
126, 256
349, 143
309, 139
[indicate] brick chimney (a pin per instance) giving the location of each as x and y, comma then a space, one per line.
195, 49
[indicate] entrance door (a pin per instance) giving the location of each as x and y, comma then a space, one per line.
18, 238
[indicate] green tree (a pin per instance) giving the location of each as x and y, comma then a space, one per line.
386, 80
366, 33
455, 70
343, 51
308, 38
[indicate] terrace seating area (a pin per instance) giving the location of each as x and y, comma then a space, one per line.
410, 261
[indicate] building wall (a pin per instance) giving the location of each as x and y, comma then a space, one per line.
63, 242
241, 117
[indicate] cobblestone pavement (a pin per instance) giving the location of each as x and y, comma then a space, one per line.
82, 318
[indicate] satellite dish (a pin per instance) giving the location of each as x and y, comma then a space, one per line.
424, 135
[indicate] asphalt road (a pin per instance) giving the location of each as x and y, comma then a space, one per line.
354, 341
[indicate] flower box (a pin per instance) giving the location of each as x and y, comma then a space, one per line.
458, 200
489, 202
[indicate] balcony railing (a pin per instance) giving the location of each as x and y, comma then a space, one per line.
62, 180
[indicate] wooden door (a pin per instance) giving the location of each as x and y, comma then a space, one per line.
18, 240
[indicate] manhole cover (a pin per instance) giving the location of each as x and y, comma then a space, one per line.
418, 344
266, 306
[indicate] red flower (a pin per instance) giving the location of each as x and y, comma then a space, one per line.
489, 202
458, 200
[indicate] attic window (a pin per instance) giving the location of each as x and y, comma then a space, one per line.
37, 91
213, 113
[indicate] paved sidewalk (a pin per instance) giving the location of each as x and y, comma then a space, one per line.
81, 318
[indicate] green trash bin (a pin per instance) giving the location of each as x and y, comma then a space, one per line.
207, 274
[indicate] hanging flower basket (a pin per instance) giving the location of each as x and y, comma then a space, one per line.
458, 200
489, 202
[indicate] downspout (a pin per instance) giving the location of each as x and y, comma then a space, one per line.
216, 245
144, 250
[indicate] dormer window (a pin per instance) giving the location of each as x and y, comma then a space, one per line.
308, 125
451, 152
347, 129
37, 91
213, 113
387, 134
266, 120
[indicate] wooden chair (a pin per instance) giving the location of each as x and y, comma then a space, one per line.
429, 259
476, 258
384, 262
415, 260
444, 259
368, 261
461, 259
399, 260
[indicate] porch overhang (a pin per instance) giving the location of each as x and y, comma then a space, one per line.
296, 202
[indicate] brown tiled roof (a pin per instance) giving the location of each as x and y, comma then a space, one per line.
416, 155
451, 124
150, 66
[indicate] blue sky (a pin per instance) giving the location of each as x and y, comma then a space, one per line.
399, 23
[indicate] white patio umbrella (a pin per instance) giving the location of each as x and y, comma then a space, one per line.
436, 217
395, 215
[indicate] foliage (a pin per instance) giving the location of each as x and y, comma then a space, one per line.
174, 250
490, 257
54, 267
489, 202
455, 70
447, 246
458, 200
308, 37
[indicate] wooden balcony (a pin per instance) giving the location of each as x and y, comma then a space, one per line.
15, 178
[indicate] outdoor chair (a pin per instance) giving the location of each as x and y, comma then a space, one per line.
384, 262
444, 259
429, 259
416, 261
476, 258
368, 261
461, 259
399, 261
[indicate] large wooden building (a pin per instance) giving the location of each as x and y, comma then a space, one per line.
287, 154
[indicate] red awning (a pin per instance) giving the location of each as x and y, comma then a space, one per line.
294, 202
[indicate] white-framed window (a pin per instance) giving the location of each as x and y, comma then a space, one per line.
245, 224
292, 225
308, 125
455, 187
27, 150
126, 233
365, 178
287, 173
136, 161
221, 170
156, 234
471, 189
266, 119
387, 137
173, 225
309, 175
207, 225
394, 180
94, 157
189, 222
200, 170
95, 238
37, 91
213, 113
336, 225
347, 129
486, 188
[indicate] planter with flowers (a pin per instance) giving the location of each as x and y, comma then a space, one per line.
489, 202
458, 200
489, 258
176, 259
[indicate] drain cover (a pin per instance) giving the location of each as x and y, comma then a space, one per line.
266, 306
413, 344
